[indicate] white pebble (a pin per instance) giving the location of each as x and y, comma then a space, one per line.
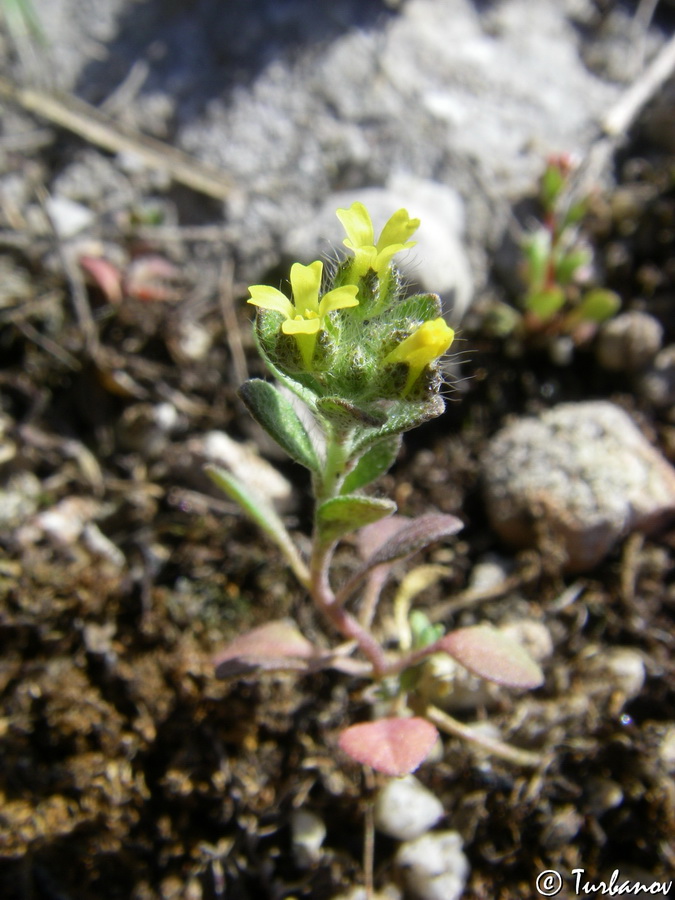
308, 833
434, 866
405, 809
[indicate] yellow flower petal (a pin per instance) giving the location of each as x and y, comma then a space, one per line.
306, 281
358, 225
300, 325
339, 298
430, 341
267, 297
398, 229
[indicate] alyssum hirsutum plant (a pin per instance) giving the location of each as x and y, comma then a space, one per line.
364, 359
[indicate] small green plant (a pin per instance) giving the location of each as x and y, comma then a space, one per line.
364, 360
557, 300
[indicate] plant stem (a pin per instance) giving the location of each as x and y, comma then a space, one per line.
327, 486
491, 745
346, 624
338, 448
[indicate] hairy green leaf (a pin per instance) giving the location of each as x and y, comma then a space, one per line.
373, 463
276, 414
342, 515
347, 415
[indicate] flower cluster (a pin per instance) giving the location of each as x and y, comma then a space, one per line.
306, 317
356, 337
360, 238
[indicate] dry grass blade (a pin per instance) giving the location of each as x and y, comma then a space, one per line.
84, 120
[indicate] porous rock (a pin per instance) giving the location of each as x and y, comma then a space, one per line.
657, 383
578, 477
629, 341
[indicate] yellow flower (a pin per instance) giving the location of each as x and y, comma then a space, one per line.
431, 340
361, 239
305, 316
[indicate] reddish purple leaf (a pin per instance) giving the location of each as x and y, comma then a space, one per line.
486, 652
394, 746
275, 645
414, 535
371, 537
106, 276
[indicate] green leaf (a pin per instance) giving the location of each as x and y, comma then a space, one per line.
569, 264
275, 413
342, 515
423, 631
262, 513
266, 335
552, 183
373, 463
537, 249
574, 214
598, 305
401, 415
346, 415
545, 303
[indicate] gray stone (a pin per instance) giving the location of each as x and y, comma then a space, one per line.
629, 342
296, 100
578, 477
657, 383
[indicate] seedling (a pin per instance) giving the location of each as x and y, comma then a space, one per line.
558, 299
364, 361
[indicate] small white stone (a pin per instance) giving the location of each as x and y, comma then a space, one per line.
194, 340
405, 809
584, 473
534, 637
617, 670
389, 892
308, 833
100, 544
243, 461
434, 866
488, 573
166, 416
667, 749
67, 216
626, 668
